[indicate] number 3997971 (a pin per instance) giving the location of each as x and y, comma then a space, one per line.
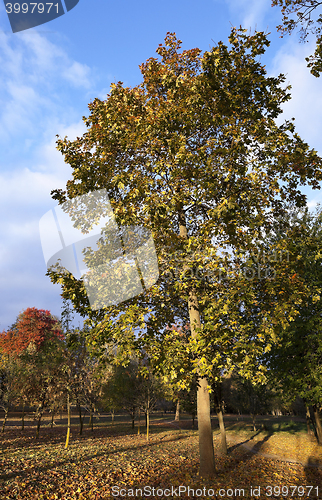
32, 8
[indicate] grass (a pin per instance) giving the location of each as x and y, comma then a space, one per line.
116, 456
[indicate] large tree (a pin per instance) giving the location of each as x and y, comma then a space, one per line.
194, 155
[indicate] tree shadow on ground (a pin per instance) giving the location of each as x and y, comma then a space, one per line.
313, 474
230, 449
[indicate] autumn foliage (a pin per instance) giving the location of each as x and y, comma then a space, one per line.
34, 327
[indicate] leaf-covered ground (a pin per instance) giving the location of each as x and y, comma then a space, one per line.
116, 457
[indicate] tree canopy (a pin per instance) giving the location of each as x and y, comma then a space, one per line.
32, 329
194, 155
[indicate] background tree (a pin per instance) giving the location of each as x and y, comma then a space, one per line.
109, 399
123, 387
296, 360
8, 388
33, 327
151, 390
35, 343
254, 399
194, 155
189, 401
303, 14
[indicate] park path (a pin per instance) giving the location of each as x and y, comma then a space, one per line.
316, 463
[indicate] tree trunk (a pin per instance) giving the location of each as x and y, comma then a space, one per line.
193, 420
39, 413
177, 417
90, 423
220, 412
68, 422
147, 423
112, 413
38, 424
5, 418
81, 419
254, 421
139, 416
313, 423
52, 420
308, 421
223, 440
318, 424
206, 445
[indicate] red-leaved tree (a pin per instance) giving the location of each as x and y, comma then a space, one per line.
34, 344
32, 329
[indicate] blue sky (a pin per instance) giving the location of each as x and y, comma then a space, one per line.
49, 74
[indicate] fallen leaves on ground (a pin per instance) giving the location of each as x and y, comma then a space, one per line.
42, 469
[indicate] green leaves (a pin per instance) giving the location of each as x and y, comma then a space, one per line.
295, 360
194, 154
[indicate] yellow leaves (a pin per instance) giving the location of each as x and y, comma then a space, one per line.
225, 309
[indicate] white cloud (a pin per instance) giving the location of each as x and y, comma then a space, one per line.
251, 12
78, 75
36, 79
313, 203
25, 192
306, 103
38, 83
44, 60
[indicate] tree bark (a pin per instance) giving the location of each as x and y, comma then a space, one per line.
38, 425
81, 419
132, 416
139, 415
254, 421
147, 423
308, 421
220, 416
318, 424
311, 411
23, 417
39, 412
223, 440
177, 417
91, 419
206, 445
